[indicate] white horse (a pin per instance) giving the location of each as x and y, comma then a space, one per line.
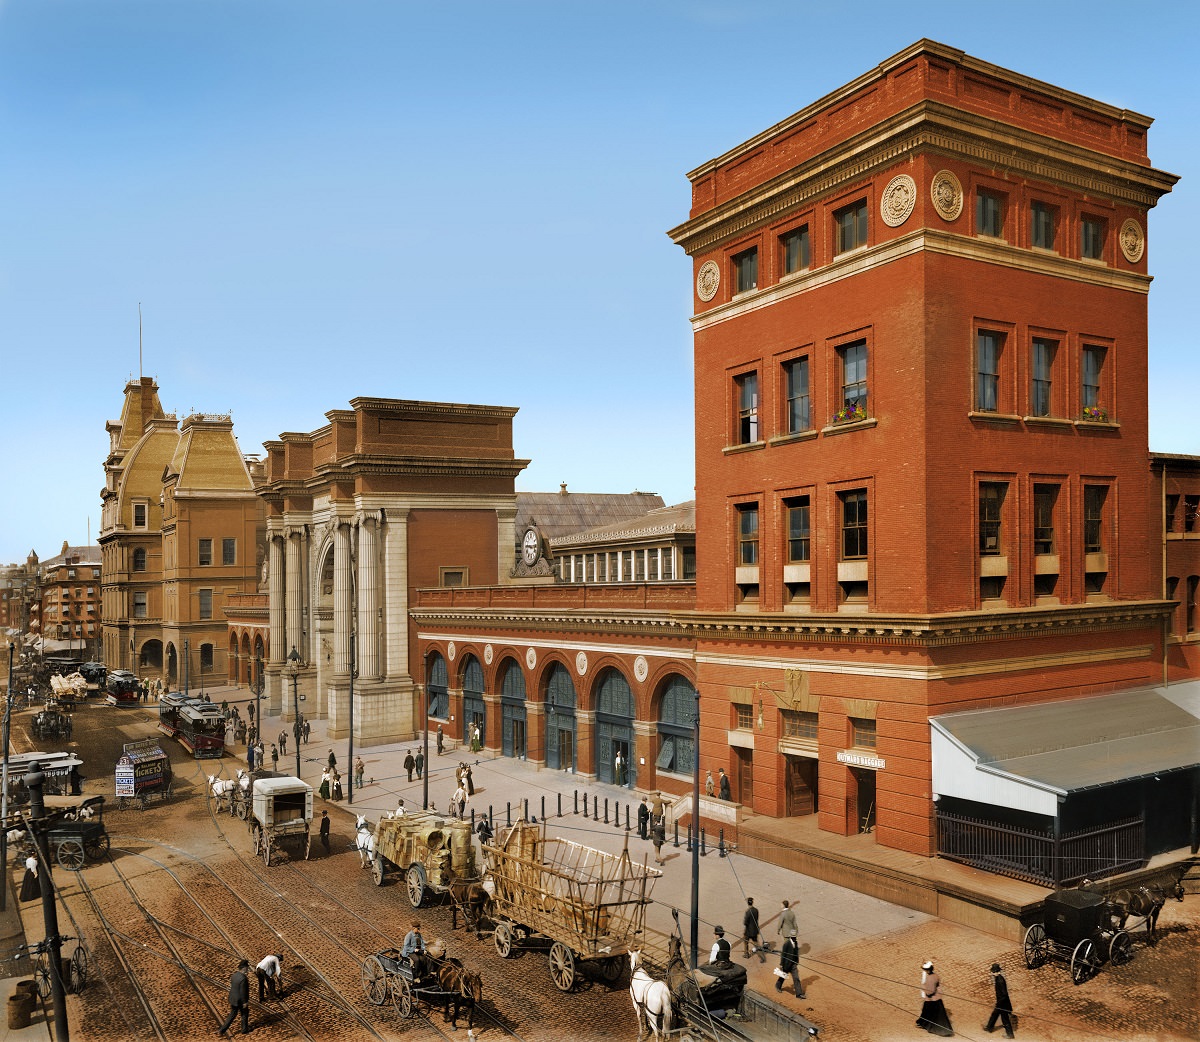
651, 1000
364, 841
222, 790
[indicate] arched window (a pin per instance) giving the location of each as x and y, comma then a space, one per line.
512, 710
474, 712
560, 719
677, 728
139, 559
615, 712
439, 696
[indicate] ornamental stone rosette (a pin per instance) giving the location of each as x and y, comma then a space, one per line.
947, 194
488, 654
1133, 241
708, 281
641, 668
898, 200
530, 658
581, 663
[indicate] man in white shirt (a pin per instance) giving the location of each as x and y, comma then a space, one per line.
270, 977
720, 948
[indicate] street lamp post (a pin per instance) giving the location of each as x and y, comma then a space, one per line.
425, 739
294, 672
256, 685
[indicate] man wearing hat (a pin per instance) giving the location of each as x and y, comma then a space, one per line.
239, 998
1003, 1008
720, 949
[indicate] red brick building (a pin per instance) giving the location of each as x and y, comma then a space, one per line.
922, 488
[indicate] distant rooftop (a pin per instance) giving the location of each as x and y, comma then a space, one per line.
563, 513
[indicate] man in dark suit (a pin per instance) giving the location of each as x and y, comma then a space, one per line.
239, 998
1003, 1007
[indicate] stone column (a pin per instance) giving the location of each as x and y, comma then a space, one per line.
294, 616
277, 651
342, 606
368, 598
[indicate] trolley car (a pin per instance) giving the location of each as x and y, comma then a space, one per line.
143, 773
197, 725
121, 688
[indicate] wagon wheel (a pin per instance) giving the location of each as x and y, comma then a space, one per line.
562, 966
256, 838
77, 972
377, 869
96, 845
1037, 948
307, 843
141, 801
1119, 950
241, 807
503, 939
402, 996
612, 969
415, 879
71, 855
266, 848
374, 981
1084, 961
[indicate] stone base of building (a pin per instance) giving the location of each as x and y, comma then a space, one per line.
385, 711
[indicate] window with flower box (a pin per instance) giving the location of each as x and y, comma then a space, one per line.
1091, 371
853, 358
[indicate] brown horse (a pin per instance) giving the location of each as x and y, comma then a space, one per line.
472, 899
462, 989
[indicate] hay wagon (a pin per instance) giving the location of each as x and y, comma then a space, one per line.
281, 810
585, 906
431, 852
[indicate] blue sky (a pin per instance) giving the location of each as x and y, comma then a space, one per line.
452, 201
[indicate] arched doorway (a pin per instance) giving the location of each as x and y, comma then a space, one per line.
512, 710
560, 719
437, 688
677, 728
474, 710
150, 658
615, 713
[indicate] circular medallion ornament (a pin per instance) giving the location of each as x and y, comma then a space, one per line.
487, 654
641, 668
947, 193
1133, 242
530, 657
450, 651
898, 200
581, 663
708, 281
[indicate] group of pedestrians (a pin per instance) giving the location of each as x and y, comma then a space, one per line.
270, 985
415, 763
652, 824
465, 789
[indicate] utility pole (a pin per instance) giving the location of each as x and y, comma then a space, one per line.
34, 780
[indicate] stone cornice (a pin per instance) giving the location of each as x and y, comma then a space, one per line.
420, 408
947, 243
870, 629
932, 126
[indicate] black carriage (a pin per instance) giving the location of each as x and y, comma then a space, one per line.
79, 836
51, 724
1077, 929
389, 976
142, 774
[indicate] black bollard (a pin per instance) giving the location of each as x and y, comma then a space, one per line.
596, 808
585, 804
577, 802
627, 817
543, 808
677, 835
605, 810
560, 804
526, 808
472, 819
703, 852
721, 843
508, 814
491, 817
689, 838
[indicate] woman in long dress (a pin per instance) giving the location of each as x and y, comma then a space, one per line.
30, 887
337, 786
934, 1017
323, 790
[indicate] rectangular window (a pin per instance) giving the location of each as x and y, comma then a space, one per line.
1042, 220
1190, 605
862, 733
854, 378
987, 370
745, 717
1093, 518
1043, 368
850, 227
799, 725
1091, 367
854, 525
206, 658
798, 405
747, 515
795, 250
1091, 235
204, 554
989, 214
139, 606
228, 551
139, 515
799, 532
453, 576
1191, 507
689, 564
1044, 499
991, 504
1172, 509
206, 604
745, 270
747, 404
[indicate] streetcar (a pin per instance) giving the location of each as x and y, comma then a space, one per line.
197, 725
95, 674
122, 688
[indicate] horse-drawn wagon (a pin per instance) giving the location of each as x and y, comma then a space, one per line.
51, 724
281, 810
408, 980
1077, 929
79, 835
437, 856
143, 773
585, 906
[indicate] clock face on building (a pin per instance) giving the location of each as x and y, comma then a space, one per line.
530, 547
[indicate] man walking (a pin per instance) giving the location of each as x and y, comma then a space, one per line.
420, 762
360, 768
789, 961
239, 999
643, 818
441, 739
325, 830
409, 763
787, 922
658, 836
270, 977
283, 742
1002, 1011
750, 931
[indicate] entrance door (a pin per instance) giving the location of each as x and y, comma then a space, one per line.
745, 777
865, 811
518, 739
566, 749
801, 786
